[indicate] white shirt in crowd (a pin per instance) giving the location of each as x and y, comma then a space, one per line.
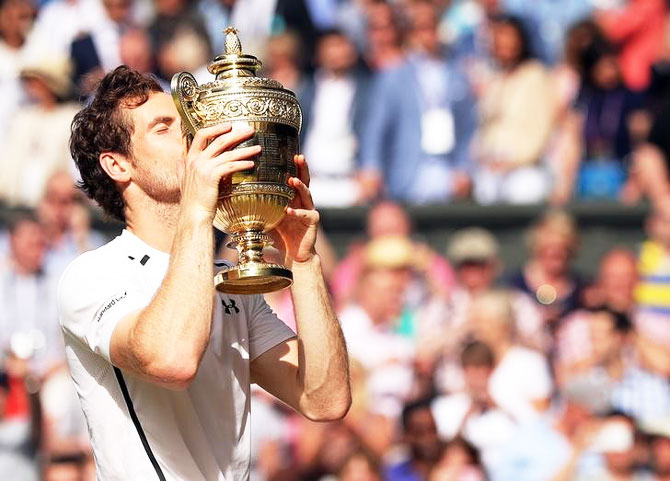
330, 143
138, 428
521, 377
386, 357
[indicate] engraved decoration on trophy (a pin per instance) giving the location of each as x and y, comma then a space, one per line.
256, 199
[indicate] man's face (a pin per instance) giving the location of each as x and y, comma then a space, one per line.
660, 448
157, 147
477, 381
28, 246
477, 275
618, 277
605, 340
421, 435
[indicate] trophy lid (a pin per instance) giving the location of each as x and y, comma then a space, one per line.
232, 62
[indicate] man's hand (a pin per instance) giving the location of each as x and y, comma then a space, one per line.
295, 236
211, 161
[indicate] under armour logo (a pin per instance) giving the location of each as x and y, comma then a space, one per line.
231, 306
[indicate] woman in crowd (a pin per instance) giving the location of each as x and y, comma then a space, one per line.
517, 113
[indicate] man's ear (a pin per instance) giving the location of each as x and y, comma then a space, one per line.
117, 166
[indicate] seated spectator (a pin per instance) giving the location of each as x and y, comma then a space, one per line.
32, 154
370, 325
521, 382
547, 275
615, 368
415, 148
472, 414
433, 274
614, 289
283, 65
517, 111
653, 292
551, 448
334, 101
360, 466
459, 462
66, 223
659, 444
423, 444
613, 443
443, 321
601, 131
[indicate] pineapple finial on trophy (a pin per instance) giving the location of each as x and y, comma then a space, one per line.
233, 46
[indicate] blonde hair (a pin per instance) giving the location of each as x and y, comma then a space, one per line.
557, 222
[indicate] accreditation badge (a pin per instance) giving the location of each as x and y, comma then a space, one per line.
437, 132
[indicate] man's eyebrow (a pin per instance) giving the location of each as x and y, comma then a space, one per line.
164, 119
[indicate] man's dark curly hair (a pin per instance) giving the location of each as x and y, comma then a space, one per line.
102, 127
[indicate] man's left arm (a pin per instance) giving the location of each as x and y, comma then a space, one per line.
310, 373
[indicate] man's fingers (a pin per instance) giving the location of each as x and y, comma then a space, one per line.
204, 135
243, 153
310, 215
226, 169
302, 168
303, 192
229, 140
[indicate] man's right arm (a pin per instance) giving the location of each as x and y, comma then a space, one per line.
164, 342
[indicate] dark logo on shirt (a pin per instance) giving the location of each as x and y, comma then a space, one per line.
112, 302
230, 306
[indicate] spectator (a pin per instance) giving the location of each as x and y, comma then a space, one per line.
28, 314
472, 414
283, 63
474, 253
257, 21
433, 274
660, 453
616, 370
371, 323
420, 436
522, 396
613, 289
614, 442
547, 23
17, 447
16, 18
517, 111
33, 153
65, 222
135, 50
639, 29
459, 462
360, 466
384, 42
415, 148
334, 101
602, 130
547, 276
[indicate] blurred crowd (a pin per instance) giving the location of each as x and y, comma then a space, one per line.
461, 371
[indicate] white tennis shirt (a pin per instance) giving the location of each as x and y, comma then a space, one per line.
141, 431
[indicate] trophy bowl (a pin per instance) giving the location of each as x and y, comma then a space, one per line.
256, 199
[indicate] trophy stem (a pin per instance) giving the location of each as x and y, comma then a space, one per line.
252, 275
250, 245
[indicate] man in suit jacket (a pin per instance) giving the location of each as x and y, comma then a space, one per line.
421, 120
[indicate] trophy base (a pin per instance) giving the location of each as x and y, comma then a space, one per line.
253, 278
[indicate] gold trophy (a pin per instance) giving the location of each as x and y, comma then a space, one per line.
256, 199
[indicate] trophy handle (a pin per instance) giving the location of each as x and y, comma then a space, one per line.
184, 88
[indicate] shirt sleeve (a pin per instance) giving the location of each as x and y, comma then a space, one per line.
92, 300
266, 330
